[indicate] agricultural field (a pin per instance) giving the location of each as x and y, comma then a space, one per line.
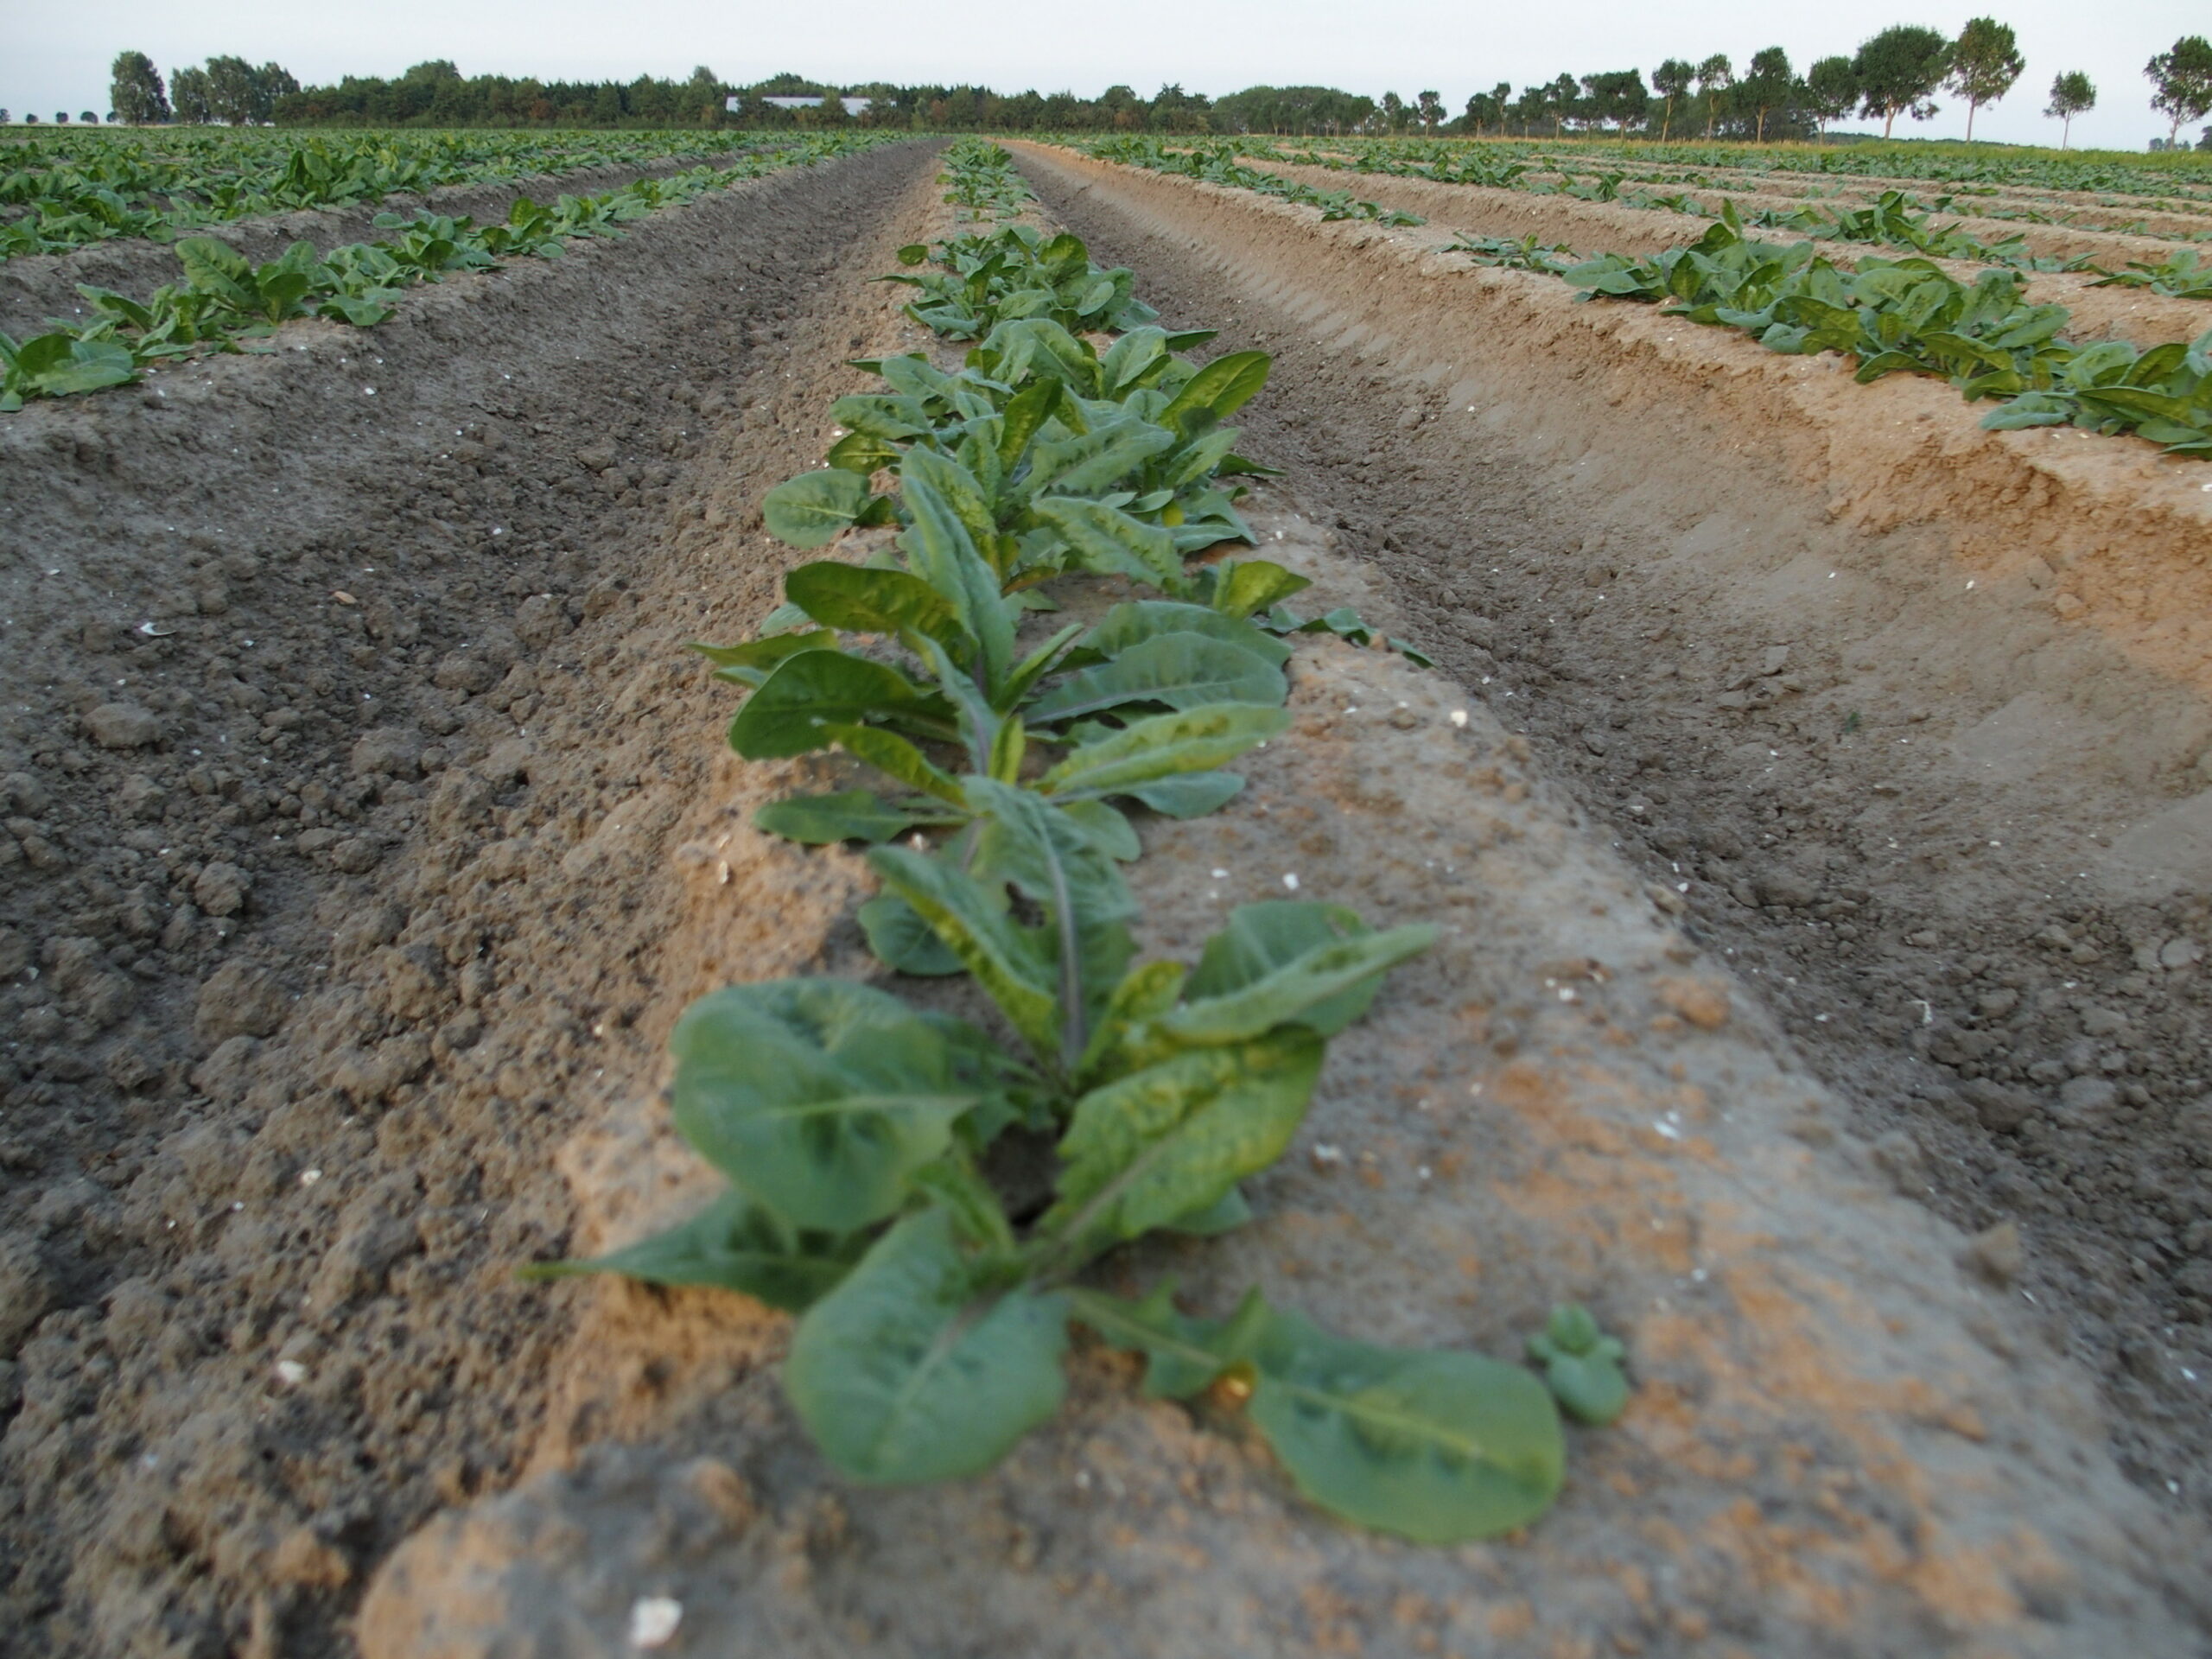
67, 190
899, 896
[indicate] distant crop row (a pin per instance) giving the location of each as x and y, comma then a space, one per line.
222, 301
72, 189
1894, 219
864, 1138
2183, 181
1892, 315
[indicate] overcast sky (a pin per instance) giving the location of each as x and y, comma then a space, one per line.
54, 56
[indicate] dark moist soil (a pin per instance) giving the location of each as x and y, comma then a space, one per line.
2025, 1052
306, 657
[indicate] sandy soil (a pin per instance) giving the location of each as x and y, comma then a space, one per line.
2135, 315
336, 724
1889, 696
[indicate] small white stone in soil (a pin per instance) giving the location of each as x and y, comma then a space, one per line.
309, 1177
1459, 717
653, 1620
291, 1373
1290, 882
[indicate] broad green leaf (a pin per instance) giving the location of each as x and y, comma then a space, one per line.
1220, 389
1440, 1448
1183, 671
1110, 832
1197, 740
814, 508
862, 453
1133, 622
1225, 1215
851, 815
1110, 543
910, 1370
749, 663
1053, 860
1016, 967
882, 417
818, 1098
1099, 459
1026, 414
1170, 1141
732, 1244
217, 268
861, 599
1251, 586
1040, 662
902, 939
785, 714
82, 365
1128, 359
893, 754
945, 557
1183, 1355
1192, 796
1283, 960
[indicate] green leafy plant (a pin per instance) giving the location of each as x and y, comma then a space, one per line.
880, 1157
1582, 1366
223, 298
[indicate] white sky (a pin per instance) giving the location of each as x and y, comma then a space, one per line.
53, 55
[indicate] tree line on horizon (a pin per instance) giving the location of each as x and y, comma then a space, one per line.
1898, 71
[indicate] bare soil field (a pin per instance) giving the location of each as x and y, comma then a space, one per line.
1809, 792
311, 661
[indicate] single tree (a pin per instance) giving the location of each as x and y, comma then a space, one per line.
1766, 86
188, 97
271, 81
1897, 69
5, 117
1985, 62
61, 118
1394, 112
1564, 96
90, 117
1831, 90
1432, 109
135, 88
1534, 105
230, 90
2071, 94
1670, 80
1618, 95
2183, 75
1714, 76
1486, 109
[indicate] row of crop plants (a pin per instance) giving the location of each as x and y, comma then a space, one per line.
2183, 180
74, 189
1892, 221
859, 1134
222, 301
1892, 315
